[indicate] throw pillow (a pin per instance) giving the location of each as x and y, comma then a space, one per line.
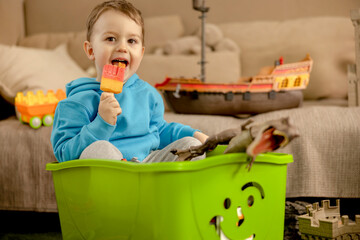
27, 69
74, 41
159, 30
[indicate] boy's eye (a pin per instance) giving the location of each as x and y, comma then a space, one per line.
111, 39
132, 41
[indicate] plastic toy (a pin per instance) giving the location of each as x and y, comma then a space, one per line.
37, 109
325, 223
278, 89
256, 139
112, 79
285, 77
109, 199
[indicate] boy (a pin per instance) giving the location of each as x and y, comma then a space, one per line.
91, 123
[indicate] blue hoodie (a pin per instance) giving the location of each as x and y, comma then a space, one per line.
139, 129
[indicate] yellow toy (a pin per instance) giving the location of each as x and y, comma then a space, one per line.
37, 109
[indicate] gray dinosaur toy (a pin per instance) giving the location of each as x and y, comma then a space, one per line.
250, 138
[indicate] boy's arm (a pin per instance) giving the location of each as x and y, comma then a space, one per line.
74, 129
170, 132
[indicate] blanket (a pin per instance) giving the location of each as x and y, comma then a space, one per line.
25, 185
326, 155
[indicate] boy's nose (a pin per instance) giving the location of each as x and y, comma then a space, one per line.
122, 47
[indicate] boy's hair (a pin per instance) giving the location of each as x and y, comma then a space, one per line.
119, 5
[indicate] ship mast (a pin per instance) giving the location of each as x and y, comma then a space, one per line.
199, 5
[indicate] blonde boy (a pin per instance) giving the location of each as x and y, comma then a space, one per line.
91, 123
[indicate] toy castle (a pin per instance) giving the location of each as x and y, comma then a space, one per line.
325, 223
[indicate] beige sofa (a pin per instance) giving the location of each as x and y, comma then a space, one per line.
41, 47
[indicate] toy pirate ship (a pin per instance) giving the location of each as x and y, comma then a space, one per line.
275, 87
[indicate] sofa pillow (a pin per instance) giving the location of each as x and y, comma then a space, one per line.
24, 69
74, 41
159, 30
328, 40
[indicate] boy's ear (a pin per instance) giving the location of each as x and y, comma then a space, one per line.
143, 51
89, 50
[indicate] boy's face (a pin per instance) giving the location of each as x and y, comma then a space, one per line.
115, 37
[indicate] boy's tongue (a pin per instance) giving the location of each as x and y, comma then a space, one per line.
117, 61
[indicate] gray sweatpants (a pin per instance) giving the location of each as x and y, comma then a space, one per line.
106, 150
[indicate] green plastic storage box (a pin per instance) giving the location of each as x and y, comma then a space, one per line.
213, 198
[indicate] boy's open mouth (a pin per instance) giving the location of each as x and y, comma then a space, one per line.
117, 61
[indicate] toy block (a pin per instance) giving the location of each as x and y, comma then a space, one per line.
39, 108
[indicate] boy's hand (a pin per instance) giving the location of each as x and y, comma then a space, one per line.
109, 108
200, 136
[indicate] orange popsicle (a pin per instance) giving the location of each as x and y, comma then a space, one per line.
112, 78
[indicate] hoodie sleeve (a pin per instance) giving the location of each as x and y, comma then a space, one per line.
74, 129
169, 132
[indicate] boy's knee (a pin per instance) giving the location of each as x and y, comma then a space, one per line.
187, 142
101, 150
191, 141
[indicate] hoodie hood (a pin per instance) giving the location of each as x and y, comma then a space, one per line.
82, 84
85, 84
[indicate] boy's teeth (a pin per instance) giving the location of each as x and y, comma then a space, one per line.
115, 62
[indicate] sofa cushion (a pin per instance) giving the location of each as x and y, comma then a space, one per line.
11, 21
25, 69
74, 41
155, 35
221, 67
328, 40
